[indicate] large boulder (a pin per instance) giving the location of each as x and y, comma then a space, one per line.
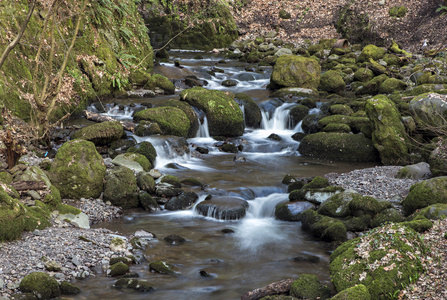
371, 51
161, 82
429, 111
438, 159
181, 202
223, 208
101, 133
40, 284
291, 211
121, 188
338, 146
324, 227
384, 260
252, 112
295, 71
332, 82
389, 135
425, 193
190, 113
172, 120
353, 293
225, 118
134, 161
308, 286
78, 170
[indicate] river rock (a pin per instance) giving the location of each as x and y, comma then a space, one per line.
389, 135
78, 170
42, 284
80, 220
101, 133
174, 239
120, 188
224, 115
158, 81
223, 208
429, 110
417, 171
425, 193
291, 211
118, 244
361, 261
252, 112
338, 146
332, 82
141, 286
190, 113
308, 286
69, 289
353, 293
146, 182
160, 267
147, 202
172, 120
118, 269
295, 71
182, 202
438, 159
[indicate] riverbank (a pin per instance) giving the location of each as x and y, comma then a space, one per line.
84, 253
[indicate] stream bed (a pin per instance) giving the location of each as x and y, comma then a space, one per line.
256, 250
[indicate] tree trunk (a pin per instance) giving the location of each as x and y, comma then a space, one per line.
276, 288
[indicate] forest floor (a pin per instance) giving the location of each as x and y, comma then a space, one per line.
316, 19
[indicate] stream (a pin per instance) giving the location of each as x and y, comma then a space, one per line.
259, 249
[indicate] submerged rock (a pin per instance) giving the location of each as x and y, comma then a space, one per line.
223, 208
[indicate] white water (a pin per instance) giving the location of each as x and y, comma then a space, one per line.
203, 131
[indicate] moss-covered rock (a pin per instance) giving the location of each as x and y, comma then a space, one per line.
190, 113
372, 86
353, 293
338, 146
317, 183
223, 208
419, 224
172, 180
366, 205
172, 120
69, 289
181, 202
146, 182
416, 171
429, 110
78, 170
295, 71
224, 115
355, 123
161, 82
252, 112
338, 205
383, 260
118, 269
332, 82
160, 267
42, 284
101, 133
147, 149
371, 51
389, 134
390, 85
436, 211
147, 202
438, 159
134, 161
308, 286
397, 11
363, 74
425, 193
291, 211
326, 228
389, 215
120, 188
341, 109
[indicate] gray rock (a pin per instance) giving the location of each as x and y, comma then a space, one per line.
417, 171
80, 220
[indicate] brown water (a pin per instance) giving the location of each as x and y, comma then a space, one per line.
261, 249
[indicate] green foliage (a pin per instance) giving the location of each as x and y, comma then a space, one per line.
442, 9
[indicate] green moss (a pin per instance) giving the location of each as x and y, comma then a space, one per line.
190, 113
252, 112
5, 177
121, 188
172, 120
341, 109
394, 46
78, 170
390, 85
355, 123
159, 81
366, 205
67, 209
332, 82
160, 267
224, 115
436, 211
118, 269
353, 293
390, 215
295, 71
146, 149
384, 260
146, 182
317, 183
371, 51
425, 193
101, 133
69, 289
419, 224
397, 11
191, 182
356, 224
171, 180
307, 286
41, 284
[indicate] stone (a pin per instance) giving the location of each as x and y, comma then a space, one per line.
80, 220
100, 134
417, 171
118, 245
295, 71
223, 208
120, 188
308, 286
425, 193
172, 120
39, 283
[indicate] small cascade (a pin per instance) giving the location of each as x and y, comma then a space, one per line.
118, 113
203, 131
264, 207
280, 119
298, 127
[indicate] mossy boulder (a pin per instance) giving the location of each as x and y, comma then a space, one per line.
145, 148
429, 110
425, 193
341, 109
371, 51
383, 260
389, 135
118, 269
332, 82
190, 113
298, 112
172, 120
172, 180
436, 211
324, 227
41, 284
224, 115
134, 161
252, 112
363, 74
419, 224
372, 86
397, 11
416, 171
390, 85
120, 188
182, 202
295, 71
78, 170
338, 146
308, 286
317, 182
69, 289
147, 202
161, 82
357, 124
146, 182
353, 293
160, 267
338, 205
100, 134
291, 211
389, 215
438, 159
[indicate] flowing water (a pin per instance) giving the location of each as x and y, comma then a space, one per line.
259, 250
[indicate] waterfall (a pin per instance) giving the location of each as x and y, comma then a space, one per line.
203, 131
280, 119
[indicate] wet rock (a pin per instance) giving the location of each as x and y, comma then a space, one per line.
160, 267
223, 208
417, 171
101, 133
134, 161
174, 239
147, 202
39, 283
118, 245
118, 269
167, 191
121, 188
131, 283
146, 182
291, 211
182, 202
308, 286
229, 82
69, 289
202, 150
304, 257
